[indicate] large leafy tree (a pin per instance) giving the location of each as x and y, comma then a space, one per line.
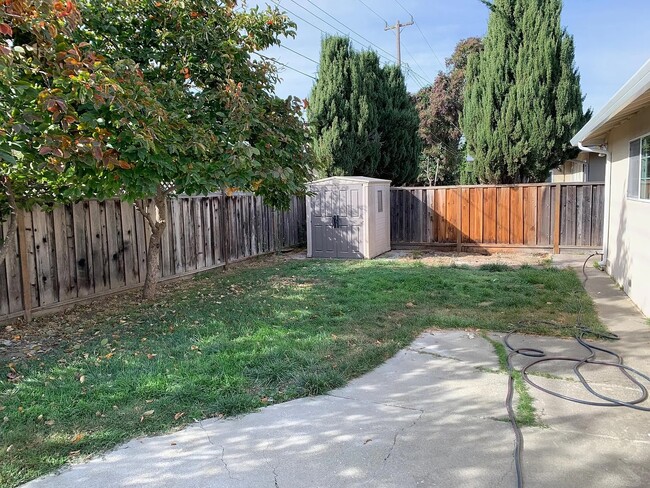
363, 121
522, 96
176, 103
440, 107
53, 90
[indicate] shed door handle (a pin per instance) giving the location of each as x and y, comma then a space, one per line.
335, 221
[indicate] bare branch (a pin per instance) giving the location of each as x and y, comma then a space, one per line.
7, 245
146, 214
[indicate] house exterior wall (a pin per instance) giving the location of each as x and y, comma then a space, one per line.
628, 260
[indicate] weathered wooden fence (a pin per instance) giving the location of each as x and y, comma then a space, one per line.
541, 215
92, 248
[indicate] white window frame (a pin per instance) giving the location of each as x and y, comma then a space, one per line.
638, 190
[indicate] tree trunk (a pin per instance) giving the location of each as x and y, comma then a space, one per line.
157, 222
8, 244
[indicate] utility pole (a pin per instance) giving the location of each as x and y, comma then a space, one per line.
398, 30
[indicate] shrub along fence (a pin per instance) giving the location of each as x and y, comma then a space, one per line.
541, 215
93, 248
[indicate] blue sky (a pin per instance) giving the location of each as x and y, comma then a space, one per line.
612, 37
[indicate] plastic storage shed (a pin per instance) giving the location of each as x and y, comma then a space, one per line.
348, 217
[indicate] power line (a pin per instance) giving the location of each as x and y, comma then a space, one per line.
332, 26
286, 66
428, 44
299, 54
417, 64
422, 34
403, 7
369, 8
413, 73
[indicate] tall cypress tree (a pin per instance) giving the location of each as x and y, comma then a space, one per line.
522, 96
364, 111
329, 109
399, 123
362, 118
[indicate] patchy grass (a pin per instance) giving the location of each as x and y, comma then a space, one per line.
525, 412
227, 343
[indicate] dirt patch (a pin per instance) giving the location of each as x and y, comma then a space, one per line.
438, 258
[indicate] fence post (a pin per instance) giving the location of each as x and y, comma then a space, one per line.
225, 228
24, 268
556, 223
459, 230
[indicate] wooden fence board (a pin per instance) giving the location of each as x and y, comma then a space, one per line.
65, 274
4, 288
129, 244
490, 215
503, 216
530, 215
544, 220
13, 283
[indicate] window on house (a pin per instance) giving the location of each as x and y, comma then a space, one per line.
380, 201
638, 181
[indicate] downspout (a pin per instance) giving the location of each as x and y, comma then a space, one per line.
602, 149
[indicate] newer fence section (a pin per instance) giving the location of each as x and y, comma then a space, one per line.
541, 215
96, 247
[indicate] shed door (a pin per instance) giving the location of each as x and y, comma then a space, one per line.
336, 222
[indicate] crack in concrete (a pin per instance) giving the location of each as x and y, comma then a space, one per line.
225, 464
275, 477
223, 452
401, 431
375, 403
435, 355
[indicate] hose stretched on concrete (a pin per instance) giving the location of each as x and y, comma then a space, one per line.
541, 356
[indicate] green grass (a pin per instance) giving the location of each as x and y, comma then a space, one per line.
525, 412
228, 343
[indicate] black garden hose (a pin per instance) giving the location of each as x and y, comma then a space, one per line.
541, 356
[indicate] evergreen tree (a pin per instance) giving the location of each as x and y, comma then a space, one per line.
522, 94
329, 110
400, 143
362, 118
367, 81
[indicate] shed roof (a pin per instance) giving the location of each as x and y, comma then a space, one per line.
632, 96
352, 179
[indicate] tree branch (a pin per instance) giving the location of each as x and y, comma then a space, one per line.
7, 245
146, 214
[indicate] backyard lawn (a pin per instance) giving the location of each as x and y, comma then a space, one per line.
226, 343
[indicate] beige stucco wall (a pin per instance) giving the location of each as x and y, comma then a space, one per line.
629, 220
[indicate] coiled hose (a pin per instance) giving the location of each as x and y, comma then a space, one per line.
604, 400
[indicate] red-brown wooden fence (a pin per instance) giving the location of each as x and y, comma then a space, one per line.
540, 215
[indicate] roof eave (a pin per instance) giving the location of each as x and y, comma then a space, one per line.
638, 84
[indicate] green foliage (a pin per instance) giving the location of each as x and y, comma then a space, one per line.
329, 110
52, 92
522, 97
362, 119
400, 143
440, 108
221, 124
